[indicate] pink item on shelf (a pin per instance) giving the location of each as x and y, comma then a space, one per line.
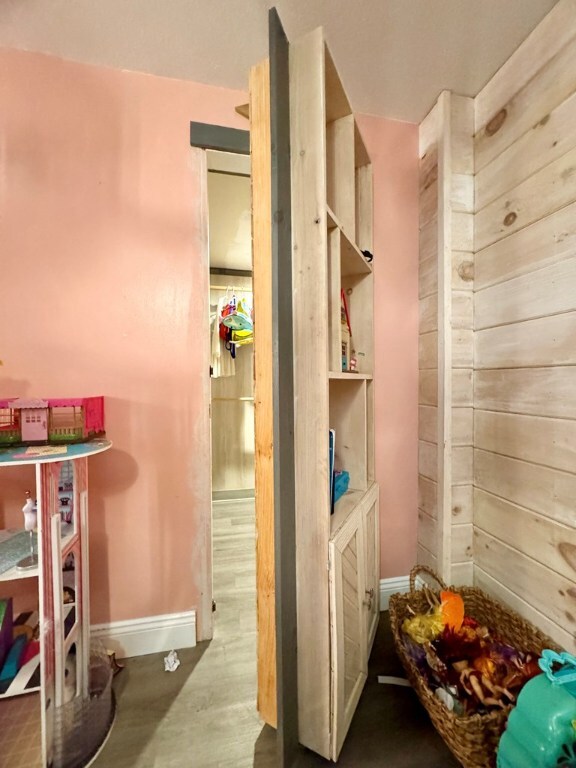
31, 650
32, 421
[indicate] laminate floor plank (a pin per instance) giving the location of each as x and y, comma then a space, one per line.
204, 715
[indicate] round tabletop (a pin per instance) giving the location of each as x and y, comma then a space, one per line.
44, 454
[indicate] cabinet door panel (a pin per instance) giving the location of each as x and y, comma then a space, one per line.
347, 588
372, 572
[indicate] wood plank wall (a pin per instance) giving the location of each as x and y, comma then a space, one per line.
263, 396
525, 330
446, 338
428, 411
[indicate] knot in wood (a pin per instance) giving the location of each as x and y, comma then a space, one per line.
496, 123
510, 218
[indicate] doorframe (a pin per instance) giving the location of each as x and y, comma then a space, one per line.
204, 136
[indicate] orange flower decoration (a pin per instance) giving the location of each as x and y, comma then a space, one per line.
452, 607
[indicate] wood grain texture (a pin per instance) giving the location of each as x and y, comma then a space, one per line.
462, 503
429, 240
428, 277
462, 387
551, 290
463, 574
462, 131
428, 387
462, 238
549, 592
428, 350
340, 172
462, 271
463, 311
428, 309
462, 426
309, 236
462, 465
547, 341
348, 640
492, 586
542, 44
550, 492
543, 143
428, 459
428, 423
428, 131
427, 531
427, 496
263, 408
543, 243
534, 198
532, 391
531, 438
462, 348
462, 543
549, 543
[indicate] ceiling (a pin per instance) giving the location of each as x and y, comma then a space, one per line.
394, 56
229, 211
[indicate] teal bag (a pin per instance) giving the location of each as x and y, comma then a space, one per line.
540, 731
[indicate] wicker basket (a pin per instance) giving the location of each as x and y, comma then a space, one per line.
473, 739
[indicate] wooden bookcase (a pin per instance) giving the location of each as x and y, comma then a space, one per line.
337, 556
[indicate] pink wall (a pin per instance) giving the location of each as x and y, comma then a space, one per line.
102, 268
393, 147
101, 232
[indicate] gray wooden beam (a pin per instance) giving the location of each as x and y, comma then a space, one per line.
283, 400
217, 137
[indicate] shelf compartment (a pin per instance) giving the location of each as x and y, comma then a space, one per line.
348, 271
363, 194
27, 679
347, 414
345, 505
349, 376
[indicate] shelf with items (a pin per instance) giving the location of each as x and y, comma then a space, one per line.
61, 672
347, 415
25, 674
350, 304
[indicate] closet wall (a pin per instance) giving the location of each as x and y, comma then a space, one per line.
445, 415
525, 329
523, 274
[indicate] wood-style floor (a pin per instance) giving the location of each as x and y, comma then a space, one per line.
204, 714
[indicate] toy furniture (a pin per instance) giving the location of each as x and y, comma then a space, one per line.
33, 421
73, 718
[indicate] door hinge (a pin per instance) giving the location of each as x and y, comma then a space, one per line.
213, 606
211, 371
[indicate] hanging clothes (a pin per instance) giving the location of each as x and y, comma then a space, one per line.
222, 362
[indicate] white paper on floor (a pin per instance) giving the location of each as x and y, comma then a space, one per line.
388, 680
171, 662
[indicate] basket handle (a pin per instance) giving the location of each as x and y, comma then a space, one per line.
424, 569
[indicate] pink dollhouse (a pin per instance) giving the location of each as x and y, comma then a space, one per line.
32, 421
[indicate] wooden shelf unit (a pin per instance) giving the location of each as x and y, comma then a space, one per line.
331, 226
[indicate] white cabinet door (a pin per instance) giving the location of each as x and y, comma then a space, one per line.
348, 617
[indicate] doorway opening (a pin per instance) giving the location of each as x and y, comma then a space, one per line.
232, 401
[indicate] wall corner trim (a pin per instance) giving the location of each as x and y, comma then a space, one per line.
138, 637
389, 586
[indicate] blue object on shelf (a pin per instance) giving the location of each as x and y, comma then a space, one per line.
341, 481
12, 663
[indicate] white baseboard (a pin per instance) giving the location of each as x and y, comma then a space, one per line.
137, 637
389, 586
